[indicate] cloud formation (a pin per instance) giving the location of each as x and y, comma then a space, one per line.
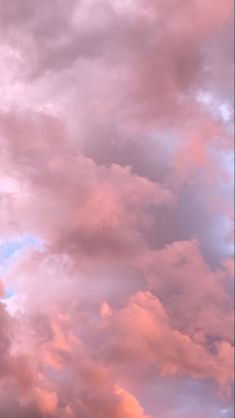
116, 156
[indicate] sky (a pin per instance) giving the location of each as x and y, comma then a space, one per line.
116, 209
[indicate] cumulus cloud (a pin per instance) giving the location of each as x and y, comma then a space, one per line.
116, 155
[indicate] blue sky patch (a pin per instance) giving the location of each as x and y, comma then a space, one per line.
15, 246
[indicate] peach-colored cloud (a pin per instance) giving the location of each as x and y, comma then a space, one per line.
47, 402
129, 406
143, 335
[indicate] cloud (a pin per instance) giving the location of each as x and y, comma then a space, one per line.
116, 141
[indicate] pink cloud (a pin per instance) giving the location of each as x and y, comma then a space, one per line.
115, 135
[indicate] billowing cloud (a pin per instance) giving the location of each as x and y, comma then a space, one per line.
116, 209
